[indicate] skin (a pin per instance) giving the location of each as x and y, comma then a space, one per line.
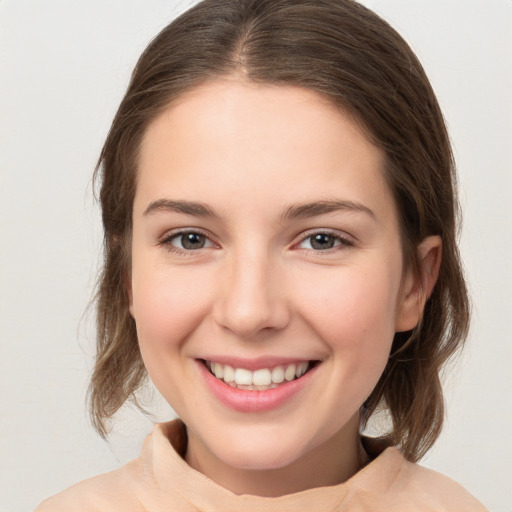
258, 286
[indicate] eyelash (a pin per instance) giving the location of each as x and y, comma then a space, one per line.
339, 241
168, 239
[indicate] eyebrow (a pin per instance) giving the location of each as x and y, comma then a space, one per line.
317, 208
186, 207
295, 211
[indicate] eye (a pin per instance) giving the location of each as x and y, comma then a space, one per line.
186, 241
323, 241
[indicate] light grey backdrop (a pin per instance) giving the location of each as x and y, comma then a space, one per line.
63, 68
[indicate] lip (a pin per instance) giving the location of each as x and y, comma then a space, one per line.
242, 400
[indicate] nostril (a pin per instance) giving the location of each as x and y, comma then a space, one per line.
249, 306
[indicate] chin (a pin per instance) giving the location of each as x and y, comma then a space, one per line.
259, 451
256, 459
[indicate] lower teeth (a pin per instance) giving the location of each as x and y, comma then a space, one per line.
251, 387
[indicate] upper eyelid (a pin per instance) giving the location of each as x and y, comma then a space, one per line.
173, 233
343, 235
166, 242
297, 239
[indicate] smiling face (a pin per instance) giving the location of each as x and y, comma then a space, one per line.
265, 244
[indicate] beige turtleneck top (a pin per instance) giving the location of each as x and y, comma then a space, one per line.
161, 481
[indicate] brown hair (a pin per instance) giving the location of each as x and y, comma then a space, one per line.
350, 55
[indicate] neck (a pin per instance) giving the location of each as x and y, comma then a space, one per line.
331, 463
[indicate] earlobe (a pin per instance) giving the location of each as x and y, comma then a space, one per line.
418, 288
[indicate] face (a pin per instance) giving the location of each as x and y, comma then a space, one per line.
266, 246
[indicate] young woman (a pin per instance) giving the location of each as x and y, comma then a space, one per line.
280, 215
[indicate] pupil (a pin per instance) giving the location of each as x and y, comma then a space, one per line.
322, 241
193, 241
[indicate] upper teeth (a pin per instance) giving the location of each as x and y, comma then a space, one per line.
261, 377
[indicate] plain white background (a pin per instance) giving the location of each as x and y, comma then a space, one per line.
63, 68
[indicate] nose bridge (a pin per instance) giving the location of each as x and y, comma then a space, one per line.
251, 299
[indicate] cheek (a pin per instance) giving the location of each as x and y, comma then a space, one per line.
167, 307
354, 313
358, 300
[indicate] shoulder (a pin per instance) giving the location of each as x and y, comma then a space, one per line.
134, 486
111, 491
448, 492
419, 488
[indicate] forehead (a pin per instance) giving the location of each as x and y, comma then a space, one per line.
242, 138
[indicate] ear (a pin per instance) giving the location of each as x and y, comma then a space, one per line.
416, 289
129, 292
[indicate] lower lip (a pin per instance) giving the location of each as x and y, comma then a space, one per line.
243, 400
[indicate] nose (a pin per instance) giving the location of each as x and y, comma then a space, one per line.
251, 296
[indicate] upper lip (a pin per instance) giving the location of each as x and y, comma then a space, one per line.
255, 363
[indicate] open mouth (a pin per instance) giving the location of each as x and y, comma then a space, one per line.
261, 379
